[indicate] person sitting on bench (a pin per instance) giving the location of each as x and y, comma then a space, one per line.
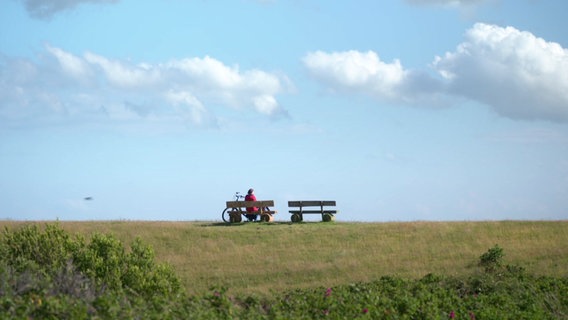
251, 216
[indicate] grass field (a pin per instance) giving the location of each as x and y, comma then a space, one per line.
260, 258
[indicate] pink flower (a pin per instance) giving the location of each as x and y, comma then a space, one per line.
328, 292
325, 312
452, 314
472, 315
365, 310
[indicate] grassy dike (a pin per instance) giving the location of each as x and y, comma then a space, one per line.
261, 258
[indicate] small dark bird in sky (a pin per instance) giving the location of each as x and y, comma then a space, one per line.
88, 198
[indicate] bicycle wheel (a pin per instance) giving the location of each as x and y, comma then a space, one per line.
226, 215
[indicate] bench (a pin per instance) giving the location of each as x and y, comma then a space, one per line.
326, 214
240, 208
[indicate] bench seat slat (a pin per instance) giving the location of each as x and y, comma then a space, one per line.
245, 204
258, 212
313, 211
311, 203
263, 212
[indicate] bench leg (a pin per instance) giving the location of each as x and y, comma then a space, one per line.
327, 217
296, 217
235, 216
266, 218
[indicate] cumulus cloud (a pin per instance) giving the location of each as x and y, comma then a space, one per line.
188, 106
63, 84
365, 72
70, 64
357, 70
123, 75
46, 9
517, 74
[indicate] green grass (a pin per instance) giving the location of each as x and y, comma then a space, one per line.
259, 258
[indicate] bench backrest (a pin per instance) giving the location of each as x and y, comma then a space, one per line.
311, 203
244, 204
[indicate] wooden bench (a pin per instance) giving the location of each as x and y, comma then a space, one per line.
240, 208
326, 214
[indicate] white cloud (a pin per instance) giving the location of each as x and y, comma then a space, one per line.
364, 72
356, 70
210, 72
265, 104
517, 74
47, 8
228, 84
70, 64
353, 69
27, 89
123, 75
188, 106
69, 85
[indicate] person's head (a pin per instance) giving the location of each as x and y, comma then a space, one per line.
251, 191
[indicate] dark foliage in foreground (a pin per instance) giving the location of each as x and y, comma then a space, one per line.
47, 274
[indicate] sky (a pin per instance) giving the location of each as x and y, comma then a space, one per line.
400, 110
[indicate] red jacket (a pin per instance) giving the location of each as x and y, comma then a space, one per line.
251, 197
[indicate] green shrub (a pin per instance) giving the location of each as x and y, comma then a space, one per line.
50, 275
31, 248
492, 260
484, 296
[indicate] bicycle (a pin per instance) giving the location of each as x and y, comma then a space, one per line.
235, 214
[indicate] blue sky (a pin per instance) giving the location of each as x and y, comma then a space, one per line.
400, 110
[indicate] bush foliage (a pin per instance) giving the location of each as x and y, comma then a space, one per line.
46, 273
492, 260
